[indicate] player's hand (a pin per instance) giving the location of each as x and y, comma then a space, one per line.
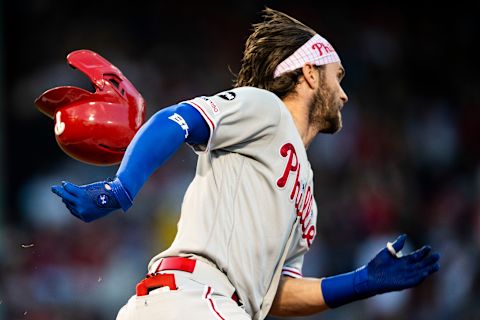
390, 271
93, 201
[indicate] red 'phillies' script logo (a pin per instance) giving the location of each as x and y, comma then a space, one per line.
303, 197
323, 48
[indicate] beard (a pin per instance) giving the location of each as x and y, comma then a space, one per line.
324, 112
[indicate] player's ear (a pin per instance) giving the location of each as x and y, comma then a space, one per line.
310, 75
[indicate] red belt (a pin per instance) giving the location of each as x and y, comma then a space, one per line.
158, 280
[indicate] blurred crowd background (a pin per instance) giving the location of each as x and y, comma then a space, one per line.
407, 160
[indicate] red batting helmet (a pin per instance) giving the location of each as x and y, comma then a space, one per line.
95, 128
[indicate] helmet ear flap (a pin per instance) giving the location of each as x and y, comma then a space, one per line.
94, 128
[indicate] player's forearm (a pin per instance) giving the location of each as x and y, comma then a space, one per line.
298, 297
388, 271
158, 139
153, 144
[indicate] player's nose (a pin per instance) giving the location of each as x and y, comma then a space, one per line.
343, 96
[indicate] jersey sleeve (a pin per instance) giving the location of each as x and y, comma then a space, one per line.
238, 117
293, 267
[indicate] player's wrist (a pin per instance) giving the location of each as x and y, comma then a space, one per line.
347, 287
121, 194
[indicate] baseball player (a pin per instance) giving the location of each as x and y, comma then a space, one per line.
249, 215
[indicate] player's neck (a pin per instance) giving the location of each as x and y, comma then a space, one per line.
298, 108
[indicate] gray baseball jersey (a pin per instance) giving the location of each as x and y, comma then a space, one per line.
253, 179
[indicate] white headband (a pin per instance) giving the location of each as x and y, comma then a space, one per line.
316, 51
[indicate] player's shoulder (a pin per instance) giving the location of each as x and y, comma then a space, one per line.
257, 98
251, 93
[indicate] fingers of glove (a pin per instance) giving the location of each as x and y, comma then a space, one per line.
430, 260
434, 268
423, 270
399, 242
72, 210
64, 194
71, 188
426, 272
79, 216
75, 212
68, 204
56, 189
419, 254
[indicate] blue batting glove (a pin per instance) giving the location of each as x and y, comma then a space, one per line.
387, 271
92, 201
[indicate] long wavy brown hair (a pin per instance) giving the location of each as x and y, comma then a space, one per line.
272, 41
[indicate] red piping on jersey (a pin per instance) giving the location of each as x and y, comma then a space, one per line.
292, 271
212, 305
204, 113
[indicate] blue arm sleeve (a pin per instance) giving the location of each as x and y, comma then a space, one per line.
157, 140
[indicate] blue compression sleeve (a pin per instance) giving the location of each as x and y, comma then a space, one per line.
157, 140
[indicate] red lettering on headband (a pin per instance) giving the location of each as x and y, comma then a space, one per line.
327, 48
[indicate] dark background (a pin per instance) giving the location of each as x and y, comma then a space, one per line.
407, 160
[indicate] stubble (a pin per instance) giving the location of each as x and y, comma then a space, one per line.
324, 113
